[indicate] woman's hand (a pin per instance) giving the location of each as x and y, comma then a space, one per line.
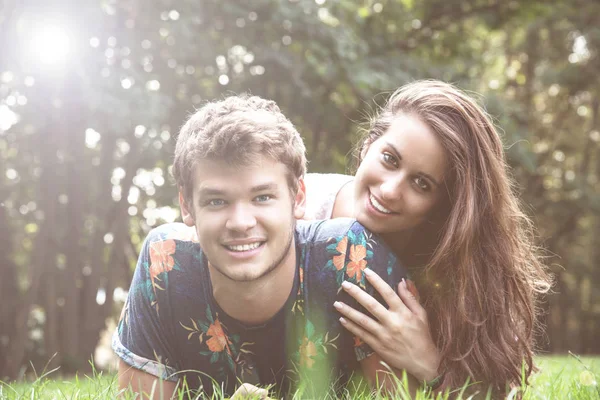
399, 335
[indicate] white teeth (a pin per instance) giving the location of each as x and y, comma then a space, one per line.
244, 247
378, 206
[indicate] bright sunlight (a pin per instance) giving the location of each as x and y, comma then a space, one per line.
50, 44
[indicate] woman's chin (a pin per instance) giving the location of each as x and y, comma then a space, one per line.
374, 225
384, 226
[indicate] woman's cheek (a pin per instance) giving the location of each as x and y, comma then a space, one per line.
420, 207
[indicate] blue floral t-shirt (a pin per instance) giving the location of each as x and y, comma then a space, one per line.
172, 327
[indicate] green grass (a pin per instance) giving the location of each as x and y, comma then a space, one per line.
560, 377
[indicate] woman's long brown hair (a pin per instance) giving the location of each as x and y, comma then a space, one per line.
482, 275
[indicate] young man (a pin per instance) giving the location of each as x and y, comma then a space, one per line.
242, 292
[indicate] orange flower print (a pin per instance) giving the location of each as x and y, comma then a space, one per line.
218, 341
358, 341
161, 257
338, 261
357, 263
308, 350
301, 279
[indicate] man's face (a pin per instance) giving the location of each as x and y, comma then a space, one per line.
244, 217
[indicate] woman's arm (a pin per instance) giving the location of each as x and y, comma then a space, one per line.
386, 378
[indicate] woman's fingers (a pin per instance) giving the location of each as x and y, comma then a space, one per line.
366, 300
356, 317
385, 290
410, 297
410, 285
358, 331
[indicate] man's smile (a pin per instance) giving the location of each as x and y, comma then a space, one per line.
244, 247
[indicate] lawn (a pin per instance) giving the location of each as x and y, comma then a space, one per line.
561, 377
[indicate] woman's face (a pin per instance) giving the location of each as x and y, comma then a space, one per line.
401, 177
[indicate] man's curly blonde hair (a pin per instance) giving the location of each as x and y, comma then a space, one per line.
239, 130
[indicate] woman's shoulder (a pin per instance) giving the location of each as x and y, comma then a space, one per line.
324, 179
321, 192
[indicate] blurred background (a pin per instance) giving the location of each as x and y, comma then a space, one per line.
93, 92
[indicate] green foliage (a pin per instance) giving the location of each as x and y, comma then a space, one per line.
560, 377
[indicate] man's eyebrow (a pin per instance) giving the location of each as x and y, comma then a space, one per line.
265, 187
426, 175
209, 192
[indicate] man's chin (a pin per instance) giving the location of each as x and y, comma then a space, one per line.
240, 274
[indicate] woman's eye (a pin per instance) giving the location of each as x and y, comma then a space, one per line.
389, 159
422, 184
263, 197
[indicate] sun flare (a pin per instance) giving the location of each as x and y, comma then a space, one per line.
50, 44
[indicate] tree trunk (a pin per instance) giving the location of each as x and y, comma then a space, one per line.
51, 326
9, 290
118, 225
44, 254
76, 189
92, 278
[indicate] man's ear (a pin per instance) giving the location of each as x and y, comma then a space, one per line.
186, 213
300, 200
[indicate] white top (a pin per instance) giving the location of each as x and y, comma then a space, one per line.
321, 191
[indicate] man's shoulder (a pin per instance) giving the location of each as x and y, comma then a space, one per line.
346, 236
313, 232
173, 231
173, 243
322, 230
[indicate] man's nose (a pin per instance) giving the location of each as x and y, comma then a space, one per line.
241, 218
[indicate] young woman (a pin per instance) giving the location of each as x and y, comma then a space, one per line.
433, 181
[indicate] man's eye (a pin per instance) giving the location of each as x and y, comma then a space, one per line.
215, 202
263, 197
422, 184
389, 159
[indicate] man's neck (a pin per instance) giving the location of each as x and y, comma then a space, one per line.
256, 302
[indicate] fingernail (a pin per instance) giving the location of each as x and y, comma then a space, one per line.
346, 285
367, 272
403, 283
337, 305
343, 320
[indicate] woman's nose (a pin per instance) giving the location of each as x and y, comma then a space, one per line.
392, 188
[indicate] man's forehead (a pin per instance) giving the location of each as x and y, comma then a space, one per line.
220, 176
235, 164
